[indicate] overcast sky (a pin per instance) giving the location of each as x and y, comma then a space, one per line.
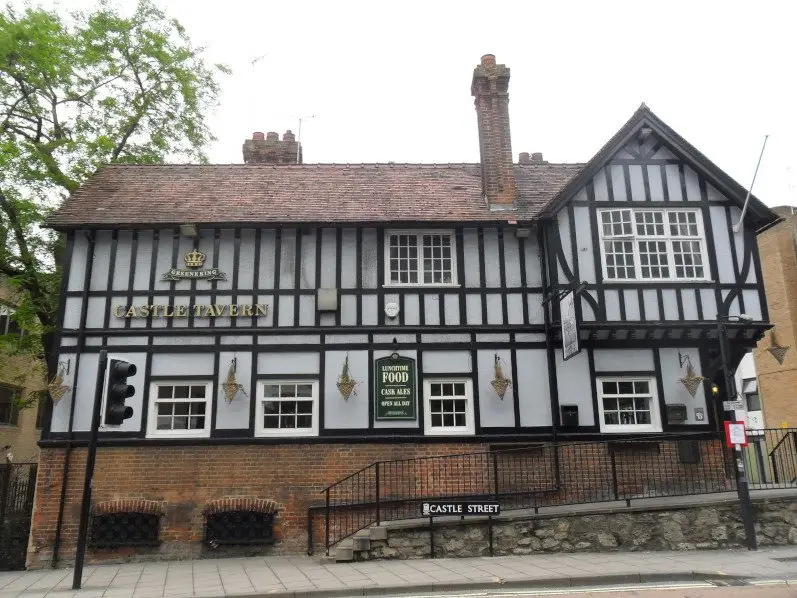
391, 81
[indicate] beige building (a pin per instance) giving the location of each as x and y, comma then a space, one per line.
775, 365
20, 375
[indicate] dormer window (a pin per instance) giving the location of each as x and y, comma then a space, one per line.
424, 258
652, 245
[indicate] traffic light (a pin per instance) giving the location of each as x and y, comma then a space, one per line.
117, 391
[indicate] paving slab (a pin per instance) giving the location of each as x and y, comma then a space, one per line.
308, 577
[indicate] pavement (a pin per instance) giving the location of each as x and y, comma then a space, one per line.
313, 577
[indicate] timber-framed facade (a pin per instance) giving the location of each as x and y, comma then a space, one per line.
291, 277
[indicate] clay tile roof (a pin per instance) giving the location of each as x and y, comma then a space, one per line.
125, 195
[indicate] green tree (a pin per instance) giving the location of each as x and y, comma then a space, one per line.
78, 91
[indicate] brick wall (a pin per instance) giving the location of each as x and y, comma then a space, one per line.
778, 382
184, 482
186, 479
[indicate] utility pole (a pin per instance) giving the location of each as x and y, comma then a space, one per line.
742, 488
85, 508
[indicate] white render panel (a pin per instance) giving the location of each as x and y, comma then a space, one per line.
246, 259
234, 414
575, 385
511, 260
655, 183
492, 271
102, 260
532, 387
470, 249
674, 190
338, 411
288, 363
348, 258
584, 249
182, 364
637, 183
307, 273
494, 411
623, 360
287, 260
267, 257
77, 266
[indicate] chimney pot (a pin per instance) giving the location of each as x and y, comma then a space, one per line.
524, 158
269, 149
536, 157
488, 60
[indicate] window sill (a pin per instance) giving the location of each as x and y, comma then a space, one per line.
643, 281
9, 426
178, 434
450, 432
287, 434
422, 286
630, 429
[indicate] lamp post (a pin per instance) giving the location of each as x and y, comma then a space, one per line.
730, 392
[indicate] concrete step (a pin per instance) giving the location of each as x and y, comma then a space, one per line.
344, 551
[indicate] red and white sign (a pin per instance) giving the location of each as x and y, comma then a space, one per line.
735, 434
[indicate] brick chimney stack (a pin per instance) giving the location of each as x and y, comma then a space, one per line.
269, 149
490, 88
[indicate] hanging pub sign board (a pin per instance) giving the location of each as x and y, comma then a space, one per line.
571, 344
396, 391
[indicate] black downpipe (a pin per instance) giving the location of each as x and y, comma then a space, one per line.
80, 345
542, 238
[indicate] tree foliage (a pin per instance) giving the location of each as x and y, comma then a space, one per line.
78, 91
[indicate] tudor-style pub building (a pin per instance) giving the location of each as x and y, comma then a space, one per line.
291, 323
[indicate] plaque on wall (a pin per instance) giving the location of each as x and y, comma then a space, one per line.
396, 391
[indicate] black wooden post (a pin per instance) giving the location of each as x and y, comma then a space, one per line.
85, 508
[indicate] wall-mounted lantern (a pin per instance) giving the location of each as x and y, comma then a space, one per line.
691, 381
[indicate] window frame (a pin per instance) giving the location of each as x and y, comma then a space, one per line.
262, 432
667, 238
16, 391
152, 412
418, 233
6, 312
655, 411
469, 429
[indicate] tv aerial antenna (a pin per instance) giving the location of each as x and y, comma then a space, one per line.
299, 134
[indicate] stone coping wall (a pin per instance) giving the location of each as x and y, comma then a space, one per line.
698, 527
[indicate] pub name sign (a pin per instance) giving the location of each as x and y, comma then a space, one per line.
200, 310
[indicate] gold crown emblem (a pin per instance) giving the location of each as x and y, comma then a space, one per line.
194, 259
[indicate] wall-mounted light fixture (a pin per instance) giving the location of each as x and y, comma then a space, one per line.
189, 230
520, 232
